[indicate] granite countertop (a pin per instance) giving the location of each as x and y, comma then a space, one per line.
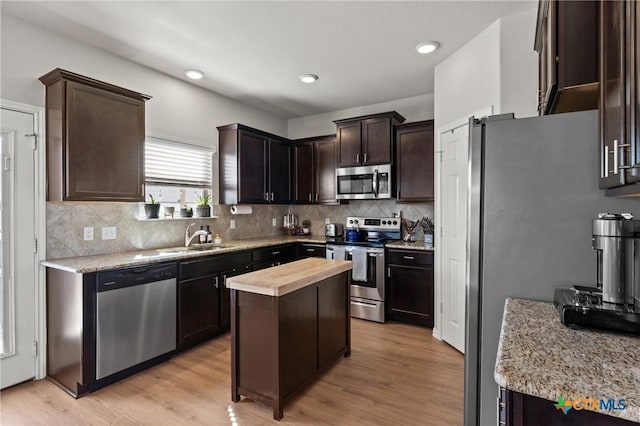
539, 356
103, 262
283, 279
413, 245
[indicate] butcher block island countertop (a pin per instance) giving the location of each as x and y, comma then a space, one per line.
289, 323
289, 277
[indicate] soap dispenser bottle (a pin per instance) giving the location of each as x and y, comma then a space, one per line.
203, 236
209, 235
217, 240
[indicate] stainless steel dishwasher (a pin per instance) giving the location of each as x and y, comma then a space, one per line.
135, 316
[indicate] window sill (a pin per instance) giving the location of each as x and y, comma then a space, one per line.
144, 219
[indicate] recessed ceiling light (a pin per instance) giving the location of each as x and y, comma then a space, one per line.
194, 74
427, 47
308, 78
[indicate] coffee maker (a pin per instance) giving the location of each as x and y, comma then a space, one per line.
614, 302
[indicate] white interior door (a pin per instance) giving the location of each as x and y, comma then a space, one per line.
454, 172
18, 259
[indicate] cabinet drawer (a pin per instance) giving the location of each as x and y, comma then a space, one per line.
311, 250
410, 257
274, 253
213, 264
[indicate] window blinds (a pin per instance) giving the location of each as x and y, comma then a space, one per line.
175, 164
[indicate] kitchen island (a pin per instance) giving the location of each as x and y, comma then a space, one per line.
288, 324
553, 375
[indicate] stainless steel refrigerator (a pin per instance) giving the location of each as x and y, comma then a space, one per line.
533, 192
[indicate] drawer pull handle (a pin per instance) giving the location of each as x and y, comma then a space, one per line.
310, 249
409, 257
273, 253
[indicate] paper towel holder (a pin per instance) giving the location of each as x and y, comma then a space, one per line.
235, 209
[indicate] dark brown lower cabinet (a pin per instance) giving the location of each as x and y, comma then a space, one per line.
410, 287
203, 300
281, 344
518, 409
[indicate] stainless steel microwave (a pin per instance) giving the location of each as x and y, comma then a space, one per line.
363, 183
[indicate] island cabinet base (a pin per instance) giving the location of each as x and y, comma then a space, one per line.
281, 344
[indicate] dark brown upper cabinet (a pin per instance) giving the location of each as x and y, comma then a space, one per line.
414, 161
619, 98
567, 41
366, 140
314, 168
255, 166
95, 139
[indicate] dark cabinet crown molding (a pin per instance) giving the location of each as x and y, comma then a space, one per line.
393, 114
60, 74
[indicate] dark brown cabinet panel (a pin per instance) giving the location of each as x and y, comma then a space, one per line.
225, 294
255, 166
619, 150
95, 139
198, 300
567, 42
414, 161
332, 316
518, 409
366, 140
311, 250
314, 170
303, 185
410, 287
252, 150
325, 170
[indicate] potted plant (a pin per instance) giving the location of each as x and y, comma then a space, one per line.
203, 209
186, 211
306, 224
152, 208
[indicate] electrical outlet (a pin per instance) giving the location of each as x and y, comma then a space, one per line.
108, 232
327, 221
88, 233
274, 222
232, 224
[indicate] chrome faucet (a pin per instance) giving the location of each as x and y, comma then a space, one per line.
188, 238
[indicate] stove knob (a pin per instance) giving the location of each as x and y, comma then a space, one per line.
356, 221
350, 221
395, 222
384, 222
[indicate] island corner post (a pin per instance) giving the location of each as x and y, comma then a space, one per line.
283, 340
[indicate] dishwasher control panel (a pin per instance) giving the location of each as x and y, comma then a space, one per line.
120, 278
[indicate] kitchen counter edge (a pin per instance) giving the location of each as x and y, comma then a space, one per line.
105, 262
539, 356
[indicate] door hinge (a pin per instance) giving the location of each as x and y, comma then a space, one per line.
35, 348
35, 139
35, 245
7, 164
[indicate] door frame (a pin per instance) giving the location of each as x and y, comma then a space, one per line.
437, 208
40, 231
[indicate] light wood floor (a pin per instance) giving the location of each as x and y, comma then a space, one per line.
397, 375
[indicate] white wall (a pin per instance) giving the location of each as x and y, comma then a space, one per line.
178, 109
498, 68
416, 108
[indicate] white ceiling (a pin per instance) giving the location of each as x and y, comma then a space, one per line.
364, 52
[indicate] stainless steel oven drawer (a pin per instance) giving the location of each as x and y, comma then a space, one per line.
372, 310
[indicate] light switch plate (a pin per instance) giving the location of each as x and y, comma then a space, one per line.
108, 232
327, 221
232, 224
274, 222
88, 233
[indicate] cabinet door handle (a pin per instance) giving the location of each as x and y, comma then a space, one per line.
408, 257
365, 158
309, 197
388, 272
358, 158
215, 280
615, 156
316, 197
605, 153
273, 253
266, 196
224, 279
272, 196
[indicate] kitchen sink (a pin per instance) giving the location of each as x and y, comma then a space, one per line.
195, 247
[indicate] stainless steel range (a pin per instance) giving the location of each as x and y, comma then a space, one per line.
364, 245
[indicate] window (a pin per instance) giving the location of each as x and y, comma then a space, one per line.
176, 174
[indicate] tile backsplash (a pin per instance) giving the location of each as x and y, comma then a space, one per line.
66, 222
